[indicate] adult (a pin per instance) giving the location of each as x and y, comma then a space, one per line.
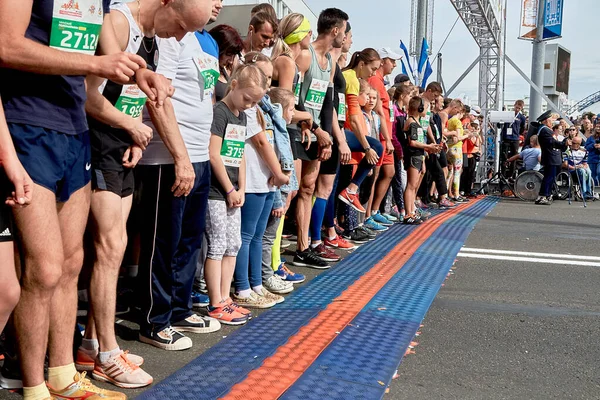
384, 172
174, 216
511, 136
551, 155
402, 79
211, 68
43, 93
316, 66
592, 145
118, 137
261, 31
230, 45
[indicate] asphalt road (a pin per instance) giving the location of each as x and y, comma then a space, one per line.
503, 329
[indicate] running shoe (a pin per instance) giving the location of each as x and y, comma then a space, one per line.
461, 199
424, 215
254, 300
432, 206
199, 299
197, 324
238, 308
277, 285
325, 254
419, 203
356, 236
396, 214
10, 374
351, 200
371, 234
226, 314
338, 229
339, 243
167, 339
380, 219
543, 201
288, 275
372, 224
82, 388
390, 217
86, 359
121, 372
309, 259
445, 203
412, 220
271, 296
285, 244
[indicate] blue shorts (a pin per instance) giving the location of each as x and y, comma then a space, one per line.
54, 160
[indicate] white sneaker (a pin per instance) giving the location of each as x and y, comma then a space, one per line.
121, 372
277, 285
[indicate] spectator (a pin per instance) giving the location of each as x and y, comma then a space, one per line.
531, 156
577, 161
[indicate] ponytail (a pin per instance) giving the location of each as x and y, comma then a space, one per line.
367, 56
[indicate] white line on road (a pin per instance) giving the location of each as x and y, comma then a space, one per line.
530, 259
529, 254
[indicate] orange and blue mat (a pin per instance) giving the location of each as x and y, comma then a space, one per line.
343, 335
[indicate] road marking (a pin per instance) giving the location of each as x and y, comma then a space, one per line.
530, 259
529, 254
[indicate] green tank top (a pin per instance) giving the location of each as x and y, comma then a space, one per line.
314, 86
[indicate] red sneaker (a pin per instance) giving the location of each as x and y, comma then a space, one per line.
339, 243
239, 309
227, 314
352, 200
325, 254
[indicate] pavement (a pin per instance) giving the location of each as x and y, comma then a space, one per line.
498, 329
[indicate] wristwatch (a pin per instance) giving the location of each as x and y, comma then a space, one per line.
367, 149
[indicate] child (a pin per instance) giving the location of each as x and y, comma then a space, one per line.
414, 158
401, 97
374, 221
263, 176
455, 156
227, 191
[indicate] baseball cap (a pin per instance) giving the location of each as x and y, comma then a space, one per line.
400, 78
474, 112
386, 52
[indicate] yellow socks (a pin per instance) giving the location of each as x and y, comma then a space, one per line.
39, 392
61, 377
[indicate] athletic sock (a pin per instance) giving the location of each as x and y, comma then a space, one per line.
39, 392
244, 293
316, 219
104, 356
258, 289
90, 344
61, 377
350, 191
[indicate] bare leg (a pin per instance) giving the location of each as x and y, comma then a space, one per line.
213, 277
369, 208
310, 172
108, 216
386, 174
9, 285
41, 272
72, 216
228, 268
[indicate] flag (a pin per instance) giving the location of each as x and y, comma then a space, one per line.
406, 62
424, 68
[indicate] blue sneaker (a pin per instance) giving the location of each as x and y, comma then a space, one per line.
380, 219
199, 299
373, 225
423, 214
390, 217
287, 275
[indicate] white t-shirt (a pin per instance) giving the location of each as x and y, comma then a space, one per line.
178, 61
257, 171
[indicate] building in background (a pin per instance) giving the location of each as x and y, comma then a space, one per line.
237, 12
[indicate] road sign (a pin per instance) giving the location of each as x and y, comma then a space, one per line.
553, 15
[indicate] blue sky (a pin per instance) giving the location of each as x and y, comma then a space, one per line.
389, 21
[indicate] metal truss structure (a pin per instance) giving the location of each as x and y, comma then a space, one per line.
585, 103
487, 26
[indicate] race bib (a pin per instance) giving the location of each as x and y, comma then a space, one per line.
316, 94
421, 135
232, 150
297, 92
342, 107
76, 25
208, 67
131, 101
391, 114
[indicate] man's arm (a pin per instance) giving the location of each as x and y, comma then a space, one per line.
19, 52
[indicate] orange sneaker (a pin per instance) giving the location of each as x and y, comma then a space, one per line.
121, 372
227, 314
86, 359
241, 310
339, 243
82, 388
352, 200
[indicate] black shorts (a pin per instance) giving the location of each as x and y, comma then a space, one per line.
108, 146
307, 155
331, 166
443, 160
120, 183
6, 224
416, 162
293, 134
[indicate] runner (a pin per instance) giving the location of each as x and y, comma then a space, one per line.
118, 137
174, 213
230, 44
45, 115
261, 31
315, 145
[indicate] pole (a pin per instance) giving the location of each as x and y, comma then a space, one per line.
421, 30
439, 67
538, 55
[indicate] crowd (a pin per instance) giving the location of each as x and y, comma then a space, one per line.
218, 146
550, 145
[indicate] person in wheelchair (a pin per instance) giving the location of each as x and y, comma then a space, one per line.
551, 155
576, 161
531, 156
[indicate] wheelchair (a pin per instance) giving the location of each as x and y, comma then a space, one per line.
528, 184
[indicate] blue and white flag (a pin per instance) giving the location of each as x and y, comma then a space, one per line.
407, 68
424, 68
